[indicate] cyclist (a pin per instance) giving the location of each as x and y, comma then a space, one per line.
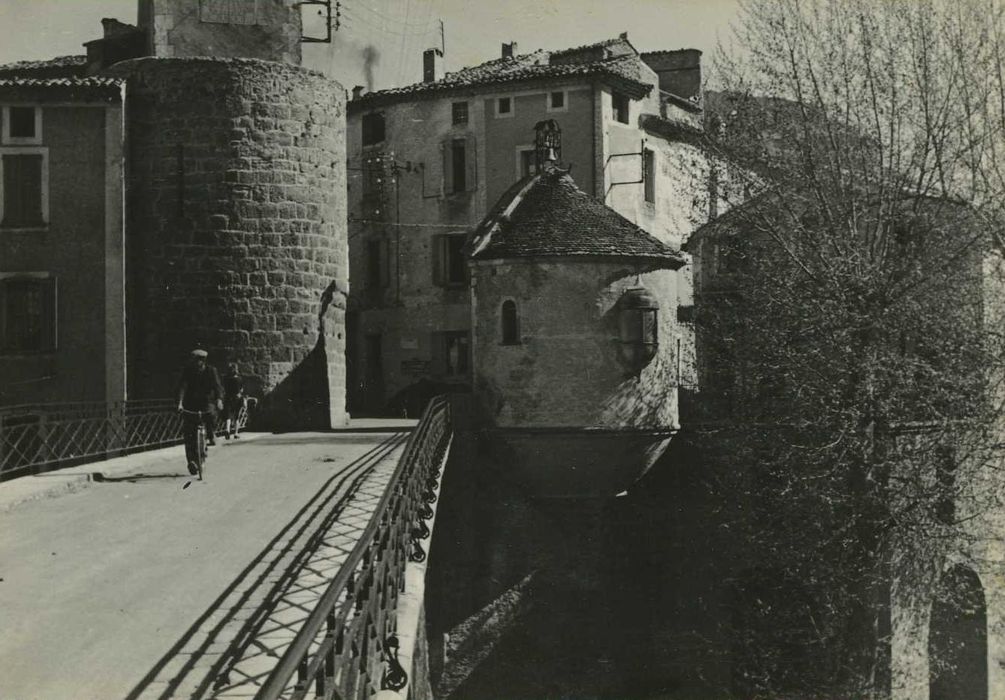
199, 390
233, 403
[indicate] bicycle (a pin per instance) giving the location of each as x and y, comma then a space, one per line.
200, 441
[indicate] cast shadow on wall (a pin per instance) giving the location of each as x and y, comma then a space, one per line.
302, 399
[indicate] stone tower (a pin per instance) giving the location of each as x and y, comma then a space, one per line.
236, 229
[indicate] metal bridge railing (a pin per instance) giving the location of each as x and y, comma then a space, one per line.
40, 437
347, 648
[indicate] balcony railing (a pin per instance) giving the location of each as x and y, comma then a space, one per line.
347, 648
40, 437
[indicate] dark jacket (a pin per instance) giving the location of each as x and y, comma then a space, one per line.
199, 391
233, 387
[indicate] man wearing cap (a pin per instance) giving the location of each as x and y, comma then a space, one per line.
199, 390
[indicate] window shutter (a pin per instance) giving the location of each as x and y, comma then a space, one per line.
448, 168
471, 164
22, 183
50, 314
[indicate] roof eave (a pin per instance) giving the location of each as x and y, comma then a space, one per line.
670, 261
632, 88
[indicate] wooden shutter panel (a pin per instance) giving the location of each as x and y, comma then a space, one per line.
32, 178
448, 167
22, 183
471, 164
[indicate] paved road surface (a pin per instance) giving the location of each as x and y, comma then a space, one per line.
150, 584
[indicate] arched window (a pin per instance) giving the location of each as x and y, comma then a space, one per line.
510, 324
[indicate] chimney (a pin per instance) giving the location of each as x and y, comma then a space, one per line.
432, 65
357, 92
509, 50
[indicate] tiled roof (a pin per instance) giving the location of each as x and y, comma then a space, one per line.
585, 47
673, 129
548, 215
59, 67
624, 71
106, 88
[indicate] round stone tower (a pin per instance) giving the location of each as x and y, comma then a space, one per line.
237, 239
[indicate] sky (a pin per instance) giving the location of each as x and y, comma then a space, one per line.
393, 33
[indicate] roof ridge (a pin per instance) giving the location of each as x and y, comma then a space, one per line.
595, 45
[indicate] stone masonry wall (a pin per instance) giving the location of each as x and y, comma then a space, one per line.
266, 29
236, 230
564, 371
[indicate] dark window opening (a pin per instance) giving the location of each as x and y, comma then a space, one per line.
510, 323
620, 104
22, 123
22, 191
28, 321
458, 161
649, 174
557, 100
454, 347
528, 163
373, 129
504, 105
451, 264
460, 112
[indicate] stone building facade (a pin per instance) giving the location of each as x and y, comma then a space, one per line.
62, 335
428, 161
234, 229
576, 343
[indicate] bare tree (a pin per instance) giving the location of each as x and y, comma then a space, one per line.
853, 290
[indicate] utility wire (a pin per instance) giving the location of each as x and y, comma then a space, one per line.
393, 20
381, 29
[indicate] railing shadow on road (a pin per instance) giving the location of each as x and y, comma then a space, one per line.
259, 603
348, 645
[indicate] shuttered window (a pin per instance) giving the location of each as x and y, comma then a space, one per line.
27, 315
451, 353
22, 190
459, 165
450, 267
